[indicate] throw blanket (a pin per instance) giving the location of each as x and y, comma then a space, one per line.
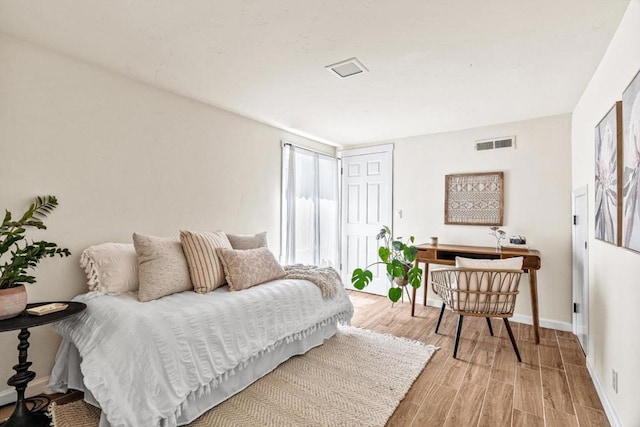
143, 361
326, 278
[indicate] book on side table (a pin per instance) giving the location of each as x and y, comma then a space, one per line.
41, 310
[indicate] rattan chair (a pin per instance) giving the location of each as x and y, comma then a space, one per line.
480, 293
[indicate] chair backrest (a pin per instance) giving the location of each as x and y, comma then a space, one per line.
478, 292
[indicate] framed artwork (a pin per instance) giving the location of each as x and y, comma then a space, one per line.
474, 199
608, 204
631, 165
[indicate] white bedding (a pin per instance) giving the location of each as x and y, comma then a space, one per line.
144, 362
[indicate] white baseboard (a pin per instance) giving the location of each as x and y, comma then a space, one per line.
34, 388
545, 323
606, 403
521, 318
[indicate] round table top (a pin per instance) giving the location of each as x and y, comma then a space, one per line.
25, 320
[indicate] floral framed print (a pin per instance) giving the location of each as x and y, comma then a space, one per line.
474, 199
608, 188
631, 165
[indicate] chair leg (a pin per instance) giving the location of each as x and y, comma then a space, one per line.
440, 317
455, 346
513, 341
489, 325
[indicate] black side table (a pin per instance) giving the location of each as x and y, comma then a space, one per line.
22, 416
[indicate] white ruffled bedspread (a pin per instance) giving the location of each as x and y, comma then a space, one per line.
143, 361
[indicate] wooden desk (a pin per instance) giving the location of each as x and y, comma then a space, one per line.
446, 254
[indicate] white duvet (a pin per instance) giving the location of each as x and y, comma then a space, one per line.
143, 361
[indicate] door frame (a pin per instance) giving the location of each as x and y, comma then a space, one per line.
340, 154
584, 286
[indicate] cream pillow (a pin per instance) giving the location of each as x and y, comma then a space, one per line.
514, 263
112, 268
162, 267
205, 267
247, 241
249, 267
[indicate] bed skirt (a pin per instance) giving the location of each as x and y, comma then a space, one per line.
67, 375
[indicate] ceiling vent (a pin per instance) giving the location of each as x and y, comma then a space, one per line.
347, 68
495, 143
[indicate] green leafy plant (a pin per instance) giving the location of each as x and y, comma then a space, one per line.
25, 255
398, 257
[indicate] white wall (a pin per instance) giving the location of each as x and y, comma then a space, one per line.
614, 340
537, 201
121, 157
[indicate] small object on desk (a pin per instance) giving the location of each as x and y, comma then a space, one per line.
517, 240
434, 241
41, 310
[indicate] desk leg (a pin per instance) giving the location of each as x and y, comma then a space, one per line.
413, 301
425, 274
22, 416
533, 286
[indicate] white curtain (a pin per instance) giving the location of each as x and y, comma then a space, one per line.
310, 210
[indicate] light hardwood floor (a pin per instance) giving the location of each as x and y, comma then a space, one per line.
486, 386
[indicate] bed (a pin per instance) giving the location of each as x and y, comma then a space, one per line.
167, 361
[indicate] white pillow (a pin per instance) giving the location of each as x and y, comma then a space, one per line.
514, 263
112, 268
162, 266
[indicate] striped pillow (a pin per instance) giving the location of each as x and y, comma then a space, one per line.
205, 268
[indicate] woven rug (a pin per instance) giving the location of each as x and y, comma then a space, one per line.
358, 377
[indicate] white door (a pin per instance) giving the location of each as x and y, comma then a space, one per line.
366, 207
580, 267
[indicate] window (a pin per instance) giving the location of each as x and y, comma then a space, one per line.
310, 209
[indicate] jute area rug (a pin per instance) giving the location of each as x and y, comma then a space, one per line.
356, 378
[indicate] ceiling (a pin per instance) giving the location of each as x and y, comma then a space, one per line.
435, 65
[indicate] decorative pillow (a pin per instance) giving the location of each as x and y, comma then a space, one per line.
162, 267
246, 241
249, 267
205, 267
112, 268
514, 263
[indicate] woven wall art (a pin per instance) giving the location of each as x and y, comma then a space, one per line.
474, 199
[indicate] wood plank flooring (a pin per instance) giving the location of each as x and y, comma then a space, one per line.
486, 386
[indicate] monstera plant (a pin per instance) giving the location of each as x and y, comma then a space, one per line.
398, 257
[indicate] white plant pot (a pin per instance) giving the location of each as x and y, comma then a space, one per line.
13, 301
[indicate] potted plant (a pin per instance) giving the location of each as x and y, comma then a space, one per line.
398, 257
22, 255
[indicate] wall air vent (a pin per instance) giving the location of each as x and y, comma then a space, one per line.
481, 146
347, 68
495, 143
